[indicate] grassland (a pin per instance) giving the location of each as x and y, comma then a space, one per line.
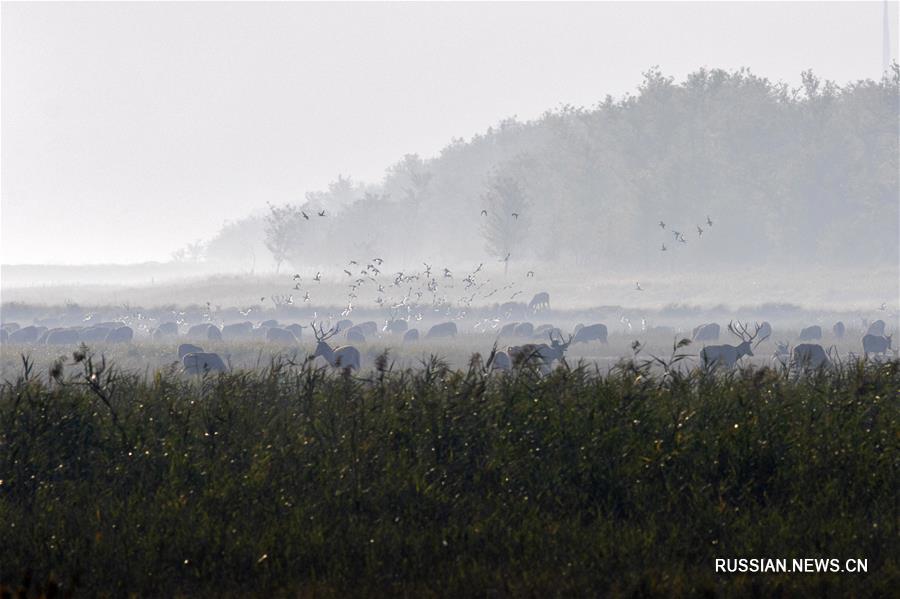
290, 480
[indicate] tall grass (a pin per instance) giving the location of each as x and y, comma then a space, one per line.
437, 482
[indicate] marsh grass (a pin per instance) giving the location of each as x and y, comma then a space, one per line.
431, 481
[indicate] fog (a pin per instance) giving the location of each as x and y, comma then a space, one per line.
739, 158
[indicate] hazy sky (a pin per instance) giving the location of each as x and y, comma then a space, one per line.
130, 129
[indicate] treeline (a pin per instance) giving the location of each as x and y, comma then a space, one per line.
788, 176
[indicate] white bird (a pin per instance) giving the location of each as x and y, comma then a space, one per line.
638, 287
318, 277
306, 297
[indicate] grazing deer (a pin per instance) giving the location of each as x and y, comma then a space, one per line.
876, 328
444, 329
540, 301
876, 344
838, 330
811, 333
592, 332
706, 332
728, 355
809, 356
501, 361
201, 363
345, 356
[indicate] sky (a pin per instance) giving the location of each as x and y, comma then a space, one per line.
130, 129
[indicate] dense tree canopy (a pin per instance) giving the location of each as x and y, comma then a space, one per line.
790, 177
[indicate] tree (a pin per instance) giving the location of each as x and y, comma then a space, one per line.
282, 231
506, 222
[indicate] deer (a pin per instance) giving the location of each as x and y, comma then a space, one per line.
345, 356
540, 301
545, 354
728, 355
876, 344
809, 356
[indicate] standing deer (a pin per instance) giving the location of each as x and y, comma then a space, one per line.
345, 356
540, 301
728, 355
876, 344
542, 353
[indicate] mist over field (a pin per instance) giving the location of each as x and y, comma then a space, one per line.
448, 299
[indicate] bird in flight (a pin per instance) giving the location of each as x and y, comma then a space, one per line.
663, 248
515, 215
484, 213
296, 277
677, 234
637, 287
699, 231
305, 215
377, 261
321, 213
306, 297
708, 220
318, 277
262, 299
530, 274
349, 274
662, 225
297, 287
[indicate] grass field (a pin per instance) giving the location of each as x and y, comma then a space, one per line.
433, 481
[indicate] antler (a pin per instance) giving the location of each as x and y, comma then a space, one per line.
740, 330
320, 333
559, 343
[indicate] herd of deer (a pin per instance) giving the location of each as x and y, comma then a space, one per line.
543, 356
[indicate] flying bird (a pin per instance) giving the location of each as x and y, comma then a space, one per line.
637, 287
515, 215
377, 261
318, 277
349, 274
699, 231
662, 225
708, 220
321, 213
297, 287
530, 274
677, 234
305, 215
484, 213
306, 297
663, 248
296, 277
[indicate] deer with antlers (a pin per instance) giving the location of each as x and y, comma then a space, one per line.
728, 355
345, 356
540, 353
